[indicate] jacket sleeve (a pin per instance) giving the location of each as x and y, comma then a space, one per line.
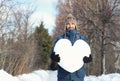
52, 53
86, 59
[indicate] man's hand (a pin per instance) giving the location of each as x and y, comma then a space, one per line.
87, 59
55, 57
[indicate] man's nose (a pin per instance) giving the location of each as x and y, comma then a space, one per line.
70, 25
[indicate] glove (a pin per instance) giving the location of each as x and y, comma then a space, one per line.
87, 59
55, 57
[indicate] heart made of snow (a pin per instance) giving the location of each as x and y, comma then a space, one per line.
71, 56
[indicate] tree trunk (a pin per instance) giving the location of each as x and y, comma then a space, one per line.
102, 53
104, 69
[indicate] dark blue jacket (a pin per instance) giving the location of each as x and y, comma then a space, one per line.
64, 75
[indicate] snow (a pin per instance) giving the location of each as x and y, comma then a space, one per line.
4, 76
48, 75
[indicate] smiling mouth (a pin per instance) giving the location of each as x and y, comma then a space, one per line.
70, 28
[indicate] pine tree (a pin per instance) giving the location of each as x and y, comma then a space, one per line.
44, 42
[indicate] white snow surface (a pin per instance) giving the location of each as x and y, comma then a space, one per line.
48, 75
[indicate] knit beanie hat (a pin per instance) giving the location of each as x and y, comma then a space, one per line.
70, 19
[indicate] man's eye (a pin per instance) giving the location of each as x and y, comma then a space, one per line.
72, 23
68, 24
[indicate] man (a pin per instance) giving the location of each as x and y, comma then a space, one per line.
72, 35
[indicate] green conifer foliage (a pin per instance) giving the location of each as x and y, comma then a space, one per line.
44, 42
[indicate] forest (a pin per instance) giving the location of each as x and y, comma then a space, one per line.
24, 48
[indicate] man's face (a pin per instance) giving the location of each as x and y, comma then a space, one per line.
70, 26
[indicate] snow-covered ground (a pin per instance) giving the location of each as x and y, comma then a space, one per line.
47, 75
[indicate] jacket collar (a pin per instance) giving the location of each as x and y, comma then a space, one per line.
70, 33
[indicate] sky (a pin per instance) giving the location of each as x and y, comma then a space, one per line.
45, 10
48, 75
